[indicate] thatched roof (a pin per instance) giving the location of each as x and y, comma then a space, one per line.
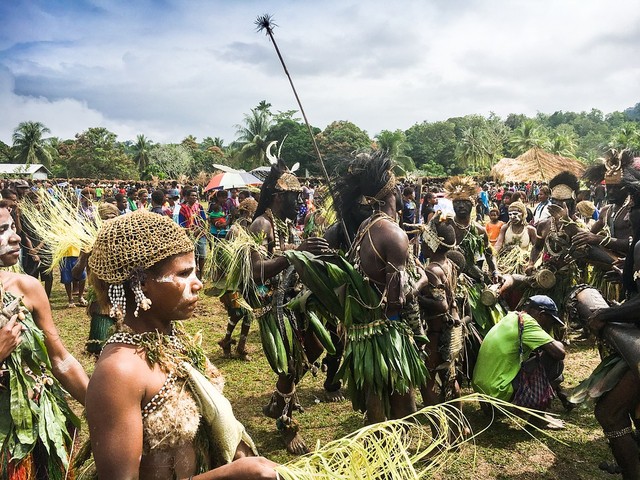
535, 164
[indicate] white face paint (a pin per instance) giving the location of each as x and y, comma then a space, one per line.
185, 283
165, 279
7, 234
515, 217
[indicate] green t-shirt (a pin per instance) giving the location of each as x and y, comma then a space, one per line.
499, 358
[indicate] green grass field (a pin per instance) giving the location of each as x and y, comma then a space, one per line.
503, 452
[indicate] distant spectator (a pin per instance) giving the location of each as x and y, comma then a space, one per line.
158, 198
428, 206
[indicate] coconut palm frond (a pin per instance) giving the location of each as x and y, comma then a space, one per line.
513, 259
606, 375
324, 215
228, 264
56, 219
417, 446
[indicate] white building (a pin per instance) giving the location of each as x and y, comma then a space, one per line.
34, 171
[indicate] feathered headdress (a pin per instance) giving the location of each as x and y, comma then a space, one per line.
280, 179
564, 186
461, 188
610, 167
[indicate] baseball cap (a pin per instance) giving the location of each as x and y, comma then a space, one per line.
545, 304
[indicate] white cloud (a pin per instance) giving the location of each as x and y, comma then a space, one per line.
170, 69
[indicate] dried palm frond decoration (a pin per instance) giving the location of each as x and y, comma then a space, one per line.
323, 216
417, 446
461, 188
228, 264
57, 220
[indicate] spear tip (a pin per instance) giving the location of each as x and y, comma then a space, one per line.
265, 22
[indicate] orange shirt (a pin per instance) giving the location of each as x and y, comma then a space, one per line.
493, 231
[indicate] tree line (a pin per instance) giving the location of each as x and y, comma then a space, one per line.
471, 144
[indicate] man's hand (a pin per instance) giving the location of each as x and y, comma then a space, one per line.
614, 275
506, 283
315, 245
596, 322
10, 337
586, 238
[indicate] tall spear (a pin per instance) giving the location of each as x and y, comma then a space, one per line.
265, 22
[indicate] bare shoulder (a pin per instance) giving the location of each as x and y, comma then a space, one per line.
119, 367
260, 225
543, 227
26, 286
480, 228
391, 234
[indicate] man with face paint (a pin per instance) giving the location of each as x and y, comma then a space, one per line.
553, 240
274, 223
473, 241
613, 228
515, 240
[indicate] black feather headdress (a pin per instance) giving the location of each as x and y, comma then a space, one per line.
564, 186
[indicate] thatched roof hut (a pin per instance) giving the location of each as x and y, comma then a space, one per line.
535, 164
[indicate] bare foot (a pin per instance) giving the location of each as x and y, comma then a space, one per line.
243, 355
272, 409
225, 344
334, 397
294, 442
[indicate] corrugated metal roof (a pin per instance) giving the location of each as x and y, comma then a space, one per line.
21, 168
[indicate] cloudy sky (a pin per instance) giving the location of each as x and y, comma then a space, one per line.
171, 68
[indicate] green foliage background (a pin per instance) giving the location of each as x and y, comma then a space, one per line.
469, 144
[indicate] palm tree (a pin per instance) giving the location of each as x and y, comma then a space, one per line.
252, 136
141, 152
29, 146
473, 148
395, 143
626, 136
528, 135
264, 106
563, 144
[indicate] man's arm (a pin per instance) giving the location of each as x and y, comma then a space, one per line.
554, 349
264, 268
538, 246
395, 251
489, 256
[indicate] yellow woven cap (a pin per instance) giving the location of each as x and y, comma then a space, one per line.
135, 241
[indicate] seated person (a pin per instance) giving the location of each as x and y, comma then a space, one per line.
517, 346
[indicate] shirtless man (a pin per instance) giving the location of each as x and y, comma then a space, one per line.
274, 222
381, 252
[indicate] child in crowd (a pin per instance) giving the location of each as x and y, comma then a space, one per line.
494, 225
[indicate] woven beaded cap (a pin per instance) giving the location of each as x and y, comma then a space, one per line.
135, 241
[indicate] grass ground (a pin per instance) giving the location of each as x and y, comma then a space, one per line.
502, 452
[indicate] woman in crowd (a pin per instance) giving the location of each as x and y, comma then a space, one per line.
147, 413
23, 454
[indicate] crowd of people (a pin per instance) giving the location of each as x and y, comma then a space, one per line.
469, 283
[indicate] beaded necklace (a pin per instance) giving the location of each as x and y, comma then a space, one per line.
165, 350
